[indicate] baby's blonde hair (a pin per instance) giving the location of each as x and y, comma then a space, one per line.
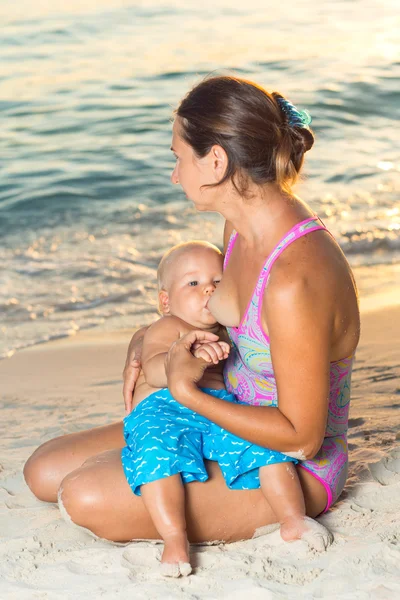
173, 253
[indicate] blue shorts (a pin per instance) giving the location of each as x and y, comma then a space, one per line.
164, 438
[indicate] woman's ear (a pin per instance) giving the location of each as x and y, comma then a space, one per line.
219, 161
163, 302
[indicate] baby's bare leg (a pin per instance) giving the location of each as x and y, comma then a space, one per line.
281, 487
165, 501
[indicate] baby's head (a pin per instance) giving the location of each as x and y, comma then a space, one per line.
187, 276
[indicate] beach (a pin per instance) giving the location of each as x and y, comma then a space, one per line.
87, 209
75, 383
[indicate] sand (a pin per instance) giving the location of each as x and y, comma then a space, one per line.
76, 383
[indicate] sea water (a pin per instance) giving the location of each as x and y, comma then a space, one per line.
87, 93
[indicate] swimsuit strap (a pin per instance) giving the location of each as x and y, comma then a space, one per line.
231, 243
297, 231
292, 235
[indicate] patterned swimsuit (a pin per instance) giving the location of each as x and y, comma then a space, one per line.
249, 374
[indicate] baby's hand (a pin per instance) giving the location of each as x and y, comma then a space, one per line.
212, 352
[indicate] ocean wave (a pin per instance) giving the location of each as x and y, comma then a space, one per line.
371, 242
86, 204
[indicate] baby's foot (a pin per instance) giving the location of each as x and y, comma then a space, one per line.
175, 557
179, 569
316, 535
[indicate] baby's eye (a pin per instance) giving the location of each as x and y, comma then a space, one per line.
217, 281
193, 283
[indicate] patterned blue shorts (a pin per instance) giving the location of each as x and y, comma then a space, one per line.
164, 438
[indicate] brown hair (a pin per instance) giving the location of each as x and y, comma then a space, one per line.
248, 123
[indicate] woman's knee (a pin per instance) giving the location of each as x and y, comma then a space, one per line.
80, 499
41, 473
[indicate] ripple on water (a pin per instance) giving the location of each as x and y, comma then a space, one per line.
88, 92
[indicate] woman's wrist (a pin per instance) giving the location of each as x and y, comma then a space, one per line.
182, 390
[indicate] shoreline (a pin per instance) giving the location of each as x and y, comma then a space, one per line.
378, 286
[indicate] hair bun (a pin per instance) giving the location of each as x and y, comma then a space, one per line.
307, 138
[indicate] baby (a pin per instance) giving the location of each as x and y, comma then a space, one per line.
166, 443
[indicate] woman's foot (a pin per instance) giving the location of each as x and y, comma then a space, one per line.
304, 528
175, 557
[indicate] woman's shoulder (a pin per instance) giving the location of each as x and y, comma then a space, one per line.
311, 283
314, 263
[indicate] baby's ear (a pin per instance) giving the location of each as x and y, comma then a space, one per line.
163, 302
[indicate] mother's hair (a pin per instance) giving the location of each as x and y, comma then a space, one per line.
248, 123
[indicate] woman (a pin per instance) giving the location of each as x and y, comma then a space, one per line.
289, 301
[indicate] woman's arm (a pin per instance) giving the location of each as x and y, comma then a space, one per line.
132, 367
300, 333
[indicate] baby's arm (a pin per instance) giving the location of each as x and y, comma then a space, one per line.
157, 341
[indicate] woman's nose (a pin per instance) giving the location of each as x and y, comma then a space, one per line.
174, 176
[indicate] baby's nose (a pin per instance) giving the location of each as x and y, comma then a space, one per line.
210, 288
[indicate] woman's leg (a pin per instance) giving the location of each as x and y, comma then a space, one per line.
98, 497
52, 461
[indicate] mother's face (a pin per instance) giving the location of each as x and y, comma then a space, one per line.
192, 172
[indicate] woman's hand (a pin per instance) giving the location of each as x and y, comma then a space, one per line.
132, 368
183, 369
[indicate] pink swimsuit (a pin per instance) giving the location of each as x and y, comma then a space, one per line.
249, 374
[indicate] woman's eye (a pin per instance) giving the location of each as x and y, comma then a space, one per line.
193, 283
